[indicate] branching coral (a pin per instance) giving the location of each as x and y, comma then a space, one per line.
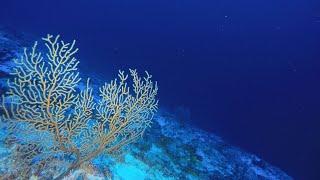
44, 100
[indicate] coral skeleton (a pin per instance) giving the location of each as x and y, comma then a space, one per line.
51, 120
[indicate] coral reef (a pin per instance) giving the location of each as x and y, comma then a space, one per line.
170, 149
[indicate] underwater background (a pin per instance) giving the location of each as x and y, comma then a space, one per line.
248, 71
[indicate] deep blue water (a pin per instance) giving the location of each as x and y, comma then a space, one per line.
248, 70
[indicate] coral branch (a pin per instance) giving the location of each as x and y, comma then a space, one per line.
44, 100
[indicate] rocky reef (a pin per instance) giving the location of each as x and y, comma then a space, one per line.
170, 149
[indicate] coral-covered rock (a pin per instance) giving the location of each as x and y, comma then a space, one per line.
170, 149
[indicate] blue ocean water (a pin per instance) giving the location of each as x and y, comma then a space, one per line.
248, 70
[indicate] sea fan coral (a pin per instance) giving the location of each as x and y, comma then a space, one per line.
51, 120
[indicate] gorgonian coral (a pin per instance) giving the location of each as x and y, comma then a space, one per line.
52, 117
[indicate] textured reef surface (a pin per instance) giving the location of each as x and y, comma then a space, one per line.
170, 149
